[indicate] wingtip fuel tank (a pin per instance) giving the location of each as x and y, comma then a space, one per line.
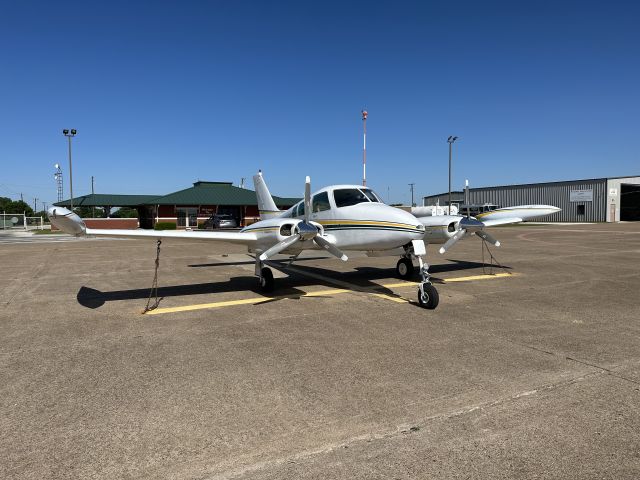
66, 220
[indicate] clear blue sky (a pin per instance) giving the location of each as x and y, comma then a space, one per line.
166, 93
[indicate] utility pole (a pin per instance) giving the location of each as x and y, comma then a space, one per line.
411, 185
364, 149
21, 199
93, 200
35, 205
450, 141
70, 134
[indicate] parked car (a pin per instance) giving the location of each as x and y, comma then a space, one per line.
220, 221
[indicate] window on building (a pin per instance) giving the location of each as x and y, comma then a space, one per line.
320, 202
581, 209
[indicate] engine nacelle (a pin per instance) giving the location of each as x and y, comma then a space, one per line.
439, 229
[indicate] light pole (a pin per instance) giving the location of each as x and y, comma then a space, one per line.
69, 134
450, 141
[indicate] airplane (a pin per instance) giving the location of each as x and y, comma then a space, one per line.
338, 219
447, 230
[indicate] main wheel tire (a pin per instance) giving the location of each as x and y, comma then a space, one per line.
405, 268
430, 298
266, 280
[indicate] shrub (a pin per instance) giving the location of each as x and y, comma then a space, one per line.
201, 226
165, 226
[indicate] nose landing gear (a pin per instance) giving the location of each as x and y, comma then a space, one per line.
427, 294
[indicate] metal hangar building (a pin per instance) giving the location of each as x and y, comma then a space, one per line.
611, 199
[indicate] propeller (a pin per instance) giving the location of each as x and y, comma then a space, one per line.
468, 226
305, 231
489, 238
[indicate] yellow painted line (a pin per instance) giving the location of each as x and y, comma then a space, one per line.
389, 297
319, 293
478, 277
398, 285
244, 301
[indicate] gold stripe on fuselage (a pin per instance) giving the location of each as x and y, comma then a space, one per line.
368, 223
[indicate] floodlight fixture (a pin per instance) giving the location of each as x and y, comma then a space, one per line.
74, 131
65, 132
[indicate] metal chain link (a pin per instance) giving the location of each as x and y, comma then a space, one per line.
493, 260
154, 285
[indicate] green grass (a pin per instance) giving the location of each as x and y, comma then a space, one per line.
47, 232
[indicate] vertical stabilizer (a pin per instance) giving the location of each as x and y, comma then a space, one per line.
266, 205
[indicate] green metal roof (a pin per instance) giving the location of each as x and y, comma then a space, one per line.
108, 200
215, 193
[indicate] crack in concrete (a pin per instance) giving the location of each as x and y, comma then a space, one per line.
399, 432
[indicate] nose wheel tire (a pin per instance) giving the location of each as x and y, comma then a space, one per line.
266, 280
405, 268
428, 296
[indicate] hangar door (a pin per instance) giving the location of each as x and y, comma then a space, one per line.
629, 202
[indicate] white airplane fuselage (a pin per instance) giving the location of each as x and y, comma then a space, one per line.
365, 226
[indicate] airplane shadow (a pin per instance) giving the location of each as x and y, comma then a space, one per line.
245, 262
362, 278
92, 298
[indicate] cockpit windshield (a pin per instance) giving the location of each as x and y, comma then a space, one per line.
345, 197
371, 195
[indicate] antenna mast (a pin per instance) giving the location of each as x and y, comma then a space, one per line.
364, 149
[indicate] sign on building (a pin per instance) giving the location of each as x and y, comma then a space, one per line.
613, 192
581, 195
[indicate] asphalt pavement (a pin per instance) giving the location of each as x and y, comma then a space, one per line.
337, 374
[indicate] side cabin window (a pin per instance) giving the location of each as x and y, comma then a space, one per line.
299, 210
345, 197
320, 202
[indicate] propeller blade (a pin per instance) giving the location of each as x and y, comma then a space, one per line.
330, 247
307, 199
489, 238
452, 241
278, 247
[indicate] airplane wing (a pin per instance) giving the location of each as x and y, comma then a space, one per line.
501, 221
71, 223
244, 238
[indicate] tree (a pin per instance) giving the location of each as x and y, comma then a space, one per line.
15, 206
125, 212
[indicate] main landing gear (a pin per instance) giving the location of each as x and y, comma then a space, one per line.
427, 294
265, 277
